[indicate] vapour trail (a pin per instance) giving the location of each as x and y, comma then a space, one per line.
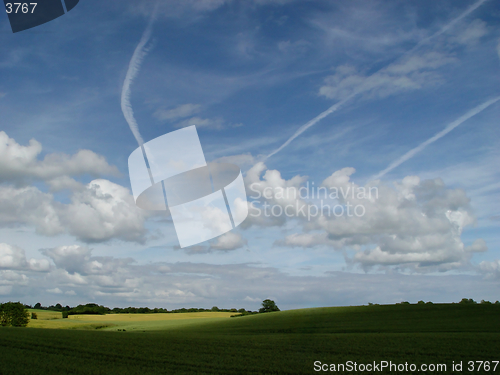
133, 68
315, 120
336, 106
433, 139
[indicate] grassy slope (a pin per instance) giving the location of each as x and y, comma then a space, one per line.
285, 342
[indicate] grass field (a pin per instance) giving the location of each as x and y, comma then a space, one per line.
287, 342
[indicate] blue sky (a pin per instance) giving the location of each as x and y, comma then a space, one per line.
250, 75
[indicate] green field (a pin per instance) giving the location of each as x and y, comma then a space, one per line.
287, 342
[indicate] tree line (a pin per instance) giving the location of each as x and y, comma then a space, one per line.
95, 309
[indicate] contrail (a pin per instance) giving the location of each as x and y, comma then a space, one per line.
318, 118
133, 68
336, 106
433, 139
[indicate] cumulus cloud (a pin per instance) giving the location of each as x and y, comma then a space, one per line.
14, 258
414, 72
76, 259
491, 269
78, 276
71, 258
11, 280
100, 211
415, 224
20, 164
229, 241
28, 205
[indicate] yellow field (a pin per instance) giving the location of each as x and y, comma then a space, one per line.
45, 315
138, 322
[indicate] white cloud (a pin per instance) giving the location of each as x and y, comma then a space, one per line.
30, 206
415, 224
103, 211
491, 269
100, 211
414, 72
19, 163
472, 33
478, 246
39, 265
216, 123
80, 276
11, 281
184, 110
229, 241
71, 258
14, 258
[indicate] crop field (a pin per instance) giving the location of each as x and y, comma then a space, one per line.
52, 319
287, 342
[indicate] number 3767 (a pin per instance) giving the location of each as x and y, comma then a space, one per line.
20, 7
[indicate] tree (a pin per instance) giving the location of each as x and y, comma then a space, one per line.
38, 305
469, 301
13, 314
268, 306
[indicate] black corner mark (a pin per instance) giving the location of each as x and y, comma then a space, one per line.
24, 15
70, 4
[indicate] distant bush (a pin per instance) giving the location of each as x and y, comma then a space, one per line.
421, 302
469, 301
65, 314
483, 302
90, 309
34, 315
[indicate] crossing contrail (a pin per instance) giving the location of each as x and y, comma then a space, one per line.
433, 139
133, 68
339, 104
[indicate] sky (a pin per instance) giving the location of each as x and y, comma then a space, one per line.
391, 107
